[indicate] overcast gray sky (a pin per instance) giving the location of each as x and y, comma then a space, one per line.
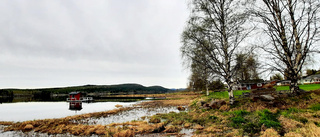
57, 43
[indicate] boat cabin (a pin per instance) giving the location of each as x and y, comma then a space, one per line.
74, 96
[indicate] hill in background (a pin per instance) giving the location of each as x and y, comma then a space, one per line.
120, 89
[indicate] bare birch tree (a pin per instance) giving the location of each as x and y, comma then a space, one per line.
212, 37
292, 28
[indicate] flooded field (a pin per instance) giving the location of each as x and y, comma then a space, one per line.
126, 116
138, 113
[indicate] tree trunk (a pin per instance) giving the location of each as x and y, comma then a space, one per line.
230, 91
294, 88
207, 89
231, 96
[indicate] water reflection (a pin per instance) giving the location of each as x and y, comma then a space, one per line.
75, 106
5, 99
23, 111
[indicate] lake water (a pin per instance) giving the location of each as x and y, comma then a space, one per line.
23, 111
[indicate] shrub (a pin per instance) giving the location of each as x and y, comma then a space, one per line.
270, 123
240, 112
237, 121
315, 107
269, 119
213, 117
251, 127
317, 124
293, 110
301, 119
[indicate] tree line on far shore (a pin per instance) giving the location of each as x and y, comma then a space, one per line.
123, 89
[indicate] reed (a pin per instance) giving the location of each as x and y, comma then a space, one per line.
6, 123
172, 129
118, 106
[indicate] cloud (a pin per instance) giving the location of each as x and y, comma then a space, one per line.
129, 39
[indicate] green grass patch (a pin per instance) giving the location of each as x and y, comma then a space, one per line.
237, 119
219, 95
315, 107
252, 122
269, 119
225, 94
240, 113
307, 87
279, 88
293, 110
292, 114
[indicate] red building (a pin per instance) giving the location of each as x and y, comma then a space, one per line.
251, 84
74, 96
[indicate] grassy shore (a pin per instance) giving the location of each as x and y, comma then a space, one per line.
285, 116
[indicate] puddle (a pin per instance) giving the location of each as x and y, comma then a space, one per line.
128, 116
183, 133
187, 132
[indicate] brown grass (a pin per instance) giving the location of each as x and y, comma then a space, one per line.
166, 103
225, 107
270, 132
187, 125
124, 133
118, 106
213, 128
28, 127
289, 124
311, 116
292, 134
198, 127
172, 129
6, 123
309, 130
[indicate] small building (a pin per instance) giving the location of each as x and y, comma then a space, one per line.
74, 96
78, 97
251, 84
284, 83
313, 79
